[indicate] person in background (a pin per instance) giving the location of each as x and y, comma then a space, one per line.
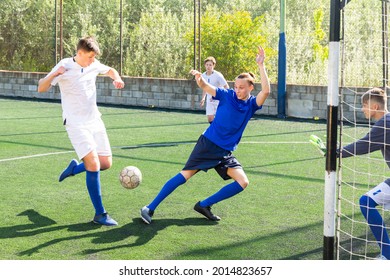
216, 79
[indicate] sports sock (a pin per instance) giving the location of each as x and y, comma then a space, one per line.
167, 189
94, 190
224, 193
79, 168
375, 221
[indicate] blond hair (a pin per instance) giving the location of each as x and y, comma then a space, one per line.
211, 59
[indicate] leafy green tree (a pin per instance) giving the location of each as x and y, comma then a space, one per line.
232, 38
26, 40
320, 44
98, 18
156, 46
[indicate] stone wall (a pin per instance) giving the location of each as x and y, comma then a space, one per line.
306, 102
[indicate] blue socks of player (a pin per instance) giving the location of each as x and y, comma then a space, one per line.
79, 168
374, 219
94, 190
224, 193
167, 189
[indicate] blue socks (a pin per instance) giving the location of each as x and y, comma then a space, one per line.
224, 193
94, 190
375, 221
167, 189
79, 168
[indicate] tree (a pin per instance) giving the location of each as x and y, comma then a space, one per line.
26, 40
232, 38
157, 48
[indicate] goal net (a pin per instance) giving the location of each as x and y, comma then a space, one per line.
364, 55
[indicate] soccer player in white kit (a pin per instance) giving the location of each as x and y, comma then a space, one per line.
76, 77
216, 79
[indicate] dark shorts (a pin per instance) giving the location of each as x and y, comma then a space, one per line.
207, 155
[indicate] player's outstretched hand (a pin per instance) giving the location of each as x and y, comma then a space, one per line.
197, 75
260, 57
118, 84
318, 143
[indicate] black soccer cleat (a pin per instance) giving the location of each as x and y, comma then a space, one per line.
146, 214
206, 211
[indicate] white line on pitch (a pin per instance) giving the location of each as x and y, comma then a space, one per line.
274, 142
145, 146
33, 156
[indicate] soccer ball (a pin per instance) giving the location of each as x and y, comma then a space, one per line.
130, 177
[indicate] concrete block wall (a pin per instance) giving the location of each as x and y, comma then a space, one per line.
303, 101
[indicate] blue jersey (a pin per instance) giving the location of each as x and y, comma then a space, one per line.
231, 119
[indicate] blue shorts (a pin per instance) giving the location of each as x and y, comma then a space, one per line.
207, 155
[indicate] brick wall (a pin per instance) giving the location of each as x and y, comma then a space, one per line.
303, 101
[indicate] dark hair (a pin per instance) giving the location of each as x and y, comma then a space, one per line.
88, 44
376, 95
250, 77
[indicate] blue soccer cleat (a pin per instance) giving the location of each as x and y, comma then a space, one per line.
69, 170
105, 220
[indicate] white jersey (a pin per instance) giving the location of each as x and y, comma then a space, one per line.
78, 90
216, 79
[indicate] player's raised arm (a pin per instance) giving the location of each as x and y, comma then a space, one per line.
202, 83
265, 85
117, 80
44, 84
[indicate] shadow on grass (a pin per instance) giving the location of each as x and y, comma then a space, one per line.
145, 233
41, 224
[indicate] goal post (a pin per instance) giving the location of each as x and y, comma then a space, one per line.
331, 128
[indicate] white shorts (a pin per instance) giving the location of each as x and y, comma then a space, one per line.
211, 106
86, 138
381, 195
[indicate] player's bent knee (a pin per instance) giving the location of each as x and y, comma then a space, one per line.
187, 174
243, 183
91, 165
105, 166
92, 168
105, 162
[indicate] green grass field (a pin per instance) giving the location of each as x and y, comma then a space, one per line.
278, 217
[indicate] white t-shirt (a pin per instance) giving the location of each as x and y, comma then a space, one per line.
216, 79
78, 90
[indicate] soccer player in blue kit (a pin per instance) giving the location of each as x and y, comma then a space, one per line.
76, 77
374, 107
214, 147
